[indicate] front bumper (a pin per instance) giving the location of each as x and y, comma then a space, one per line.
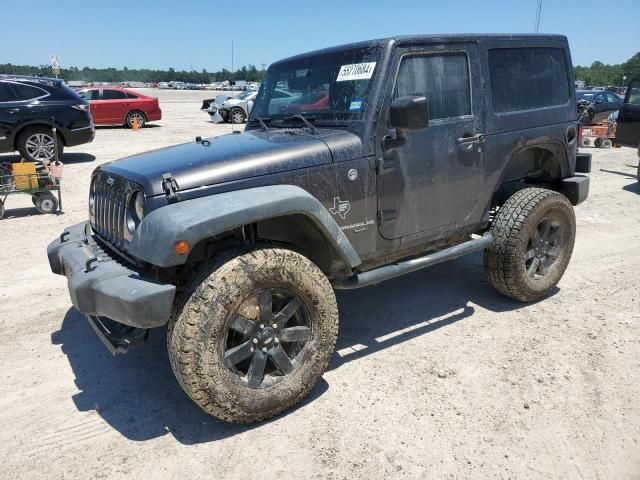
222, 112
100, 285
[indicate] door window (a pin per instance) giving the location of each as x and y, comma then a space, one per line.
113, 95
442, 78
612, 98
6, 94
601, 98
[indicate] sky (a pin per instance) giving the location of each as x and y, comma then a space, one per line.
198, 33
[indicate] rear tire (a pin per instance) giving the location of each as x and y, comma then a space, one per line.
142, 119
226, 344
534, 234
36, 144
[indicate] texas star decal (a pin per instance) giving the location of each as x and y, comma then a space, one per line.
341, 207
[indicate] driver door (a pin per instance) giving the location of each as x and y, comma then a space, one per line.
434, 180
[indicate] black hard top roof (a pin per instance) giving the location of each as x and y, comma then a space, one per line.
431, 38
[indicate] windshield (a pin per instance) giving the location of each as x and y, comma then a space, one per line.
585, 95
245, 95
329, 87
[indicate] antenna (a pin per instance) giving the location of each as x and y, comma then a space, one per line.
536, 26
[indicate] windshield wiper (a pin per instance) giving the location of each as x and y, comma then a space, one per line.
304, 120
262, 122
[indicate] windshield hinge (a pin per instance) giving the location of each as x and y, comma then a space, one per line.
170, 187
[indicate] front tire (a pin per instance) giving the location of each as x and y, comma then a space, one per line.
254, 336
534, 234
237, 115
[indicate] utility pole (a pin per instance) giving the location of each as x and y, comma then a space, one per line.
231, 59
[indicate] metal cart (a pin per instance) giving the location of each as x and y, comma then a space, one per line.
40, 186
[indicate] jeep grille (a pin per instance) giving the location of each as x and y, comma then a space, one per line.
110, 195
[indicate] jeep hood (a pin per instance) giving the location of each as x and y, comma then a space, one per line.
236, 156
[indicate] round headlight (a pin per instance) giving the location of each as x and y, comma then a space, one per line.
138, 205
135, 210
92, 196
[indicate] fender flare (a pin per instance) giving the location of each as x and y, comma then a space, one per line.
201, 218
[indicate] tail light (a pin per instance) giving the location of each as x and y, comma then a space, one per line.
579, 134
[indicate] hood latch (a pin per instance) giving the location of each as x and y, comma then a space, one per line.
170, 187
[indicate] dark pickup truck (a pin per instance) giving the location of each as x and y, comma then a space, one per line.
417, 150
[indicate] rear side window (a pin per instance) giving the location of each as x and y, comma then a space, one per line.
6, 94
112, 95
27, 92
527, 78
443, 79
130, 95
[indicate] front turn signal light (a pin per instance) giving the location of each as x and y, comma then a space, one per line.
182, 247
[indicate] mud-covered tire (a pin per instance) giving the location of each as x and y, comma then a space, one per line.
514, 228
202, 316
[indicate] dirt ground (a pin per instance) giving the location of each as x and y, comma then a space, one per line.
435, 374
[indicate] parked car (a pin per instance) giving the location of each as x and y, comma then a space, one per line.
234, 109
601, 104
31, 106
218, 100
628, 124
237, 242
119, 106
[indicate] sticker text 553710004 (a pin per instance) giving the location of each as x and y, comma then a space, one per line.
356, 71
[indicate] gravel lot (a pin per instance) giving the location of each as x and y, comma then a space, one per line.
435, 375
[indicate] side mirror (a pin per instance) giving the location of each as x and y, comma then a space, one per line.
409, 113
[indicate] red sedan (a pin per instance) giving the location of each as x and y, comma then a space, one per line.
119, 106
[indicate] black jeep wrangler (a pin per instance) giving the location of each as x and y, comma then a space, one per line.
358, 164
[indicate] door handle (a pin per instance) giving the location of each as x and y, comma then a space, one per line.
13, 110
479, 138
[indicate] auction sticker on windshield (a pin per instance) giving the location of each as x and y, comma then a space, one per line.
356, 71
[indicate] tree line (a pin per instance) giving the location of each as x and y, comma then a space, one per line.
596, 74
599, 74
249, 73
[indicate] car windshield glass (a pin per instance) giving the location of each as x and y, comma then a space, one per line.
329, 87
244, 95
585, 96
